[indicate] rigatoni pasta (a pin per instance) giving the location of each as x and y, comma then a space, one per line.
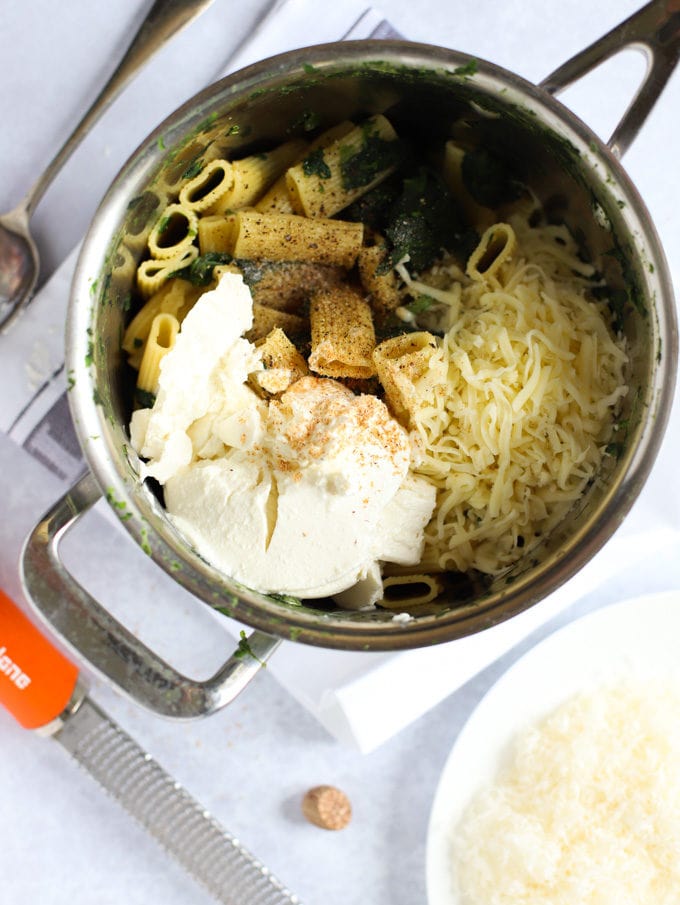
267, 319
495, 249
409, 368
253, 175
454, 154
277, 199
216, 233
283, 363
175, 297
153, 273
174, 232
405, 591
288, 237
343, 335
161, 338
205, 191
287, 285
378, 281
324, 183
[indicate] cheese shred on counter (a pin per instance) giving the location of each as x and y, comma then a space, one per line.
586, 812
534, 377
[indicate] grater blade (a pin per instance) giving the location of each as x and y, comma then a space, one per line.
188, 832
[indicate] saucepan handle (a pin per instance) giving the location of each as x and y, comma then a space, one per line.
91, 631
655, 30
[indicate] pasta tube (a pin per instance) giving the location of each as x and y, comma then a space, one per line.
401, 591
175, 297
204, 191
333, 134
283, 364
381, 287
277, 199
481, 217
124, 266
330, 178
409, 367
286, 285
253, 175
162, 336
151, 274
267, 319
216, 232
343, 337
174, 232
175, 169
495, 249
286, 237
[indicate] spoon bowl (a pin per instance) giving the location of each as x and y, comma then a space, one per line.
19, 263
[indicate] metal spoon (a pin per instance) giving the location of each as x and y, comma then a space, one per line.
19, 259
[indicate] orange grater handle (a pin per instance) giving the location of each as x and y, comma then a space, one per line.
36, 680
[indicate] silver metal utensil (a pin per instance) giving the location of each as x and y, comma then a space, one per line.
19, 258
42, 690
204, 848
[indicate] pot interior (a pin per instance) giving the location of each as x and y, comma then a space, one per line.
428, 94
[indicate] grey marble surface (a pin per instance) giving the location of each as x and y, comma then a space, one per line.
61, 840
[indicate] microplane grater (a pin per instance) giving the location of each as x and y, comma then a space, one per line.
204, 848
42, 689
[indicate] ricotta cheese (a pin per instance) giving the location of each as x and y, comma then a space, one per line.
303, 495
202, 385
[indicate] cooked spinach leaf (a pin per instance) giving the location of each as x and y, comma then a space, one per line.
315, 164
144, 398
194, 168
488, 178
200, 272
420, 304
372, 208
307, 121
425, 220
467, 69
375, 155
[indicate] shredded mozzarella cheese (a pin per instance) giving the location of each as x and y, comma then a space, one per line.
587, 811
519, 430
415, 288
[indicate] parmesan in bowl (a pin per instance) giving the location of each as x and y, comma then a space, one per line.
586, 810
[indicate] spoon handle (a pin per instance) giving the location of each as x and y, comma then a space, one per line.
165, 19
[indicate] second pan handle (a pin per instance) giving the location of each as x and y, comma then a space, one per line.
89, 630
655, 30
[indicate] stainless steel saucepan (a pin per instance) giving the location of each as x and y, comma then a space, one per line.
427, 87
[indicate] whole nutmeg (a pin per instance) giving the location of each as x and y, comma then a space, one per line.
327, 807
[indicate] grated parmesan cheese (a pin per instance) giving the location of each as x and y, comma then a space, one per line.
587, 812
518, 431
